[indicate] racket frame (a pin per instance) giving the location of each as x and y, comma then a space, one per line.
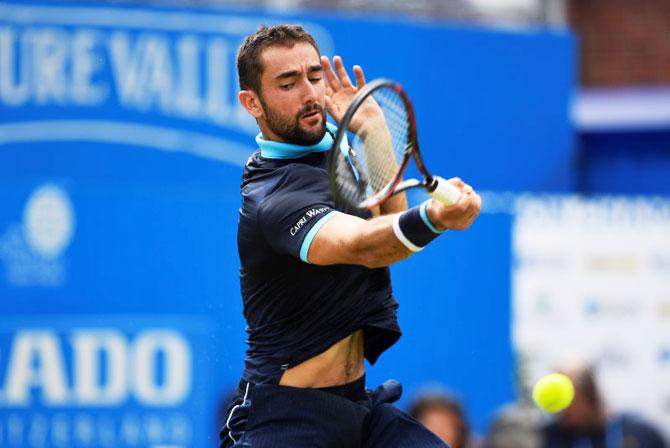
396, 185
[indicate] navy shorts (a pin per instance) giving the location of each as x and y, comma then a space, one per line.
274, 416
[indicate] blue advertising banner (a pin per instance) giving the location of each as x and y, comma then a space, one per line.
103, 381
121, 151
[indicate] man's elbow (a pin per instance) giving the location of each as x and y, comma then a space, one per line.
371, 262
373, 257
362, 253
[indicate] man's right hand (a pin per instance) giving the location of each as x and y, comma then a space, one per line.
340, 92
347, 239
460, 215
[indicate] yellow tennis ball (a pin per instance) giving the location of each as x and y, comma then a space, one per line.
553, 392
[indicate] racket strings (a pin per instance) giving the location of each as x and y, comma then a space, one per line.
378, 134
381, 142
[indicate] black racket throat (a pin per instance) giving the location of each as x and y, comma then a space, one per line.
430, 183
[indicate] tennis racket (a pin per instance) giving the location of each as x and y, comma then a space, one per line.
372, 148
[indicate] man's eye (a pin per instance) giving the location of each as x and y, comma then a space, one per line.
287, 86
315, 80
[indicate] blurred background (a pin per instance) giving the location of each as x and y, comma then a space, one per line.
121, 152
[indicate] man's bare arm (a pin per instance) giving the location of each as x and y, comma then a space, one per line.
347, 239
381, 160
370, 124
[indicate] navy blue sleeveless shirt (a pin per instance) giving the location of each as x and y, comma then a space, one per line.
295, 310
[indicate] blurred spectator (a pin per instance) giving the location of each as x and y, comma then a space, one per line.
444, 416
585, 423
517, 425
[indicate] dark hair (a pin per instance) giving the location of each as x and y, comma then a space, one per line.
585, 380
434, 400
249, 66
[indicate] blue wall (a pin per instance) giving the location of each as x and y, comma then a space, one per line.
150, 174
625, 161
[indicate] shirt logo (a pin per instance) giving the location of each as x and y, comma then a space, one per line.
306, 217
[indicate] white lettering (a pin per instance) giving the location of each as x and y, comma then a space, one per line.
309, 214
130, 431
38, 430
189, 76
60, 434
35, 361
125, 67
155, 429
188, 101
298, 226
15, 430
50, 66
312, 213
106, 368
49, 54
106, 432
85, 64
156, 72
84, 430
13, 93
93, 429
217, 81
88, 375
176, 371
143, 72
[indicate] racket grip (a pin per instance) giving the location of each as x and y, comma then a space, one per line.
445, 192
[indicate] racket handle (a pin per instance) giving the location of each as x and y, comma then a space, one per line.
445, 192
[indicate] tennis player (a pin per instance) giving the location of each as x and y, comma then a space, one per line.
315, 280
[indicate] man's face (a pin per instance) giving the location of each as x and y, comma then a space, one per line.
292, 95
443, 424
582, 415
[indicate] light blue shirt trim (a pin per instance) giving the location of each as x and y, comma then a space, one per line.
280, 150
426, 220
307, 242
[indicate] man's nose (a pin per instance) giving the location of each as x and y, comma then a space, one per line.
310, 93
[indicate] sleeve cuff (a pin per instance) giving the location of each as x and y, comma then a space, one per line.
307, 242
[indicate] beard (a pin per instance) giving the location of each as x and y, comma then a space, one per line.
289, 129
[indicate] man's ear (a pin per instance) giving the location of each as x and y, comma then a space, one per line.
250, 101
